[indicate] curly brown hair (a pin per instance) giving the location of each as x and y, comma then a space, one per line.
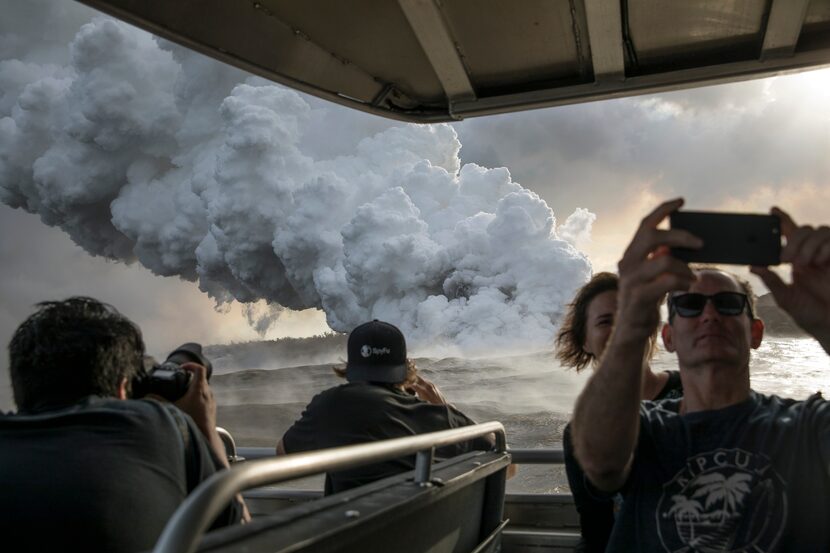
572, 334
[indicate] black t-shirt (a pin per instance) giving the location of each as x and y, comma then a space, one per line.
99, 475
596, 511
672, 389
752, 477
360, 412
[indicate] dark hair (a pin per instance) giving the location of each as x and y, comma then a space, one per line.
70, 349
571, 336
742, 282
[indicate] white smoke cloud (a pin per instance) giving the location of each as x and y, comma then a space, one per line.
141, 150
577, 227
262, 317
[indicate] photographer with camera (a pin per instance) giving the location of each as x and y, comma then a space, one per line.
83, 466
724, 468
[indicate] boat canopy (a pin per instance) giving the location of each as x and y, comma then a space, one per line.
442, 60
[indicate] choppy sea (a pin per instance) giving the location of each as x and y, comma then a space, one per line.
531, 395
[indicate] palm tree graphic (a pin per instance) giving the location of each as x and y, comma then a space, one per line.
730, 492
685, 507
688, 508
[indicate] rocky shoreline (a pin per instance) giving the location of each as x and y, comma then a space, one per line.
776, 321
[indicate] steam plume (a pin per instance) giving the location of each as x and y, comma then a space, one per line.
141, 150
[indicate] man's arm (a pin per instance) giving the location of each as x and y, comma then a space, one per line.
304, 433
427, 391
807, 298
606, 418
199, 403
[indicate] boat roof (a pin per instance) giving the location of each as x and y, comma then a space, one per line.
443, 60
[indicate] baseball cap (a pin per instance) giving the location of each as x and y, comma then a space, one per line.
377, 353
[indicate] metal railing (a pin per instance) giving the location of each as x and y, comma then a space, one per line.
230, 445
193, 517
519, 456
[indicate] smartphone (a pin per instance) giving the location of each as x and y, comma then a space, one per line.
730, 238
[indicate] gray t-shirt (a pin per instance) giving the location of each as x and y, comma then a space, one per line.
752, 477
98, 475
361, 412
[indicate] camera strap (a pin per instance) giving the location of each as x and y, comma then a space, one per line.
185, 433
190, 460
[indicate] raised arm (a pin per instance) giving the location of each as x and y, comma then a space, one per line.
427, 391
807, 298
199, 403
606, 419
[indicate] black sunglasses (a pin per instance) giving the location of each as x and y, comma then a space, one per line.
692, 304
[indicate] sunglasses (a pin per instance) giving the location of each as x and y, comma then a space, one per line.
692, 304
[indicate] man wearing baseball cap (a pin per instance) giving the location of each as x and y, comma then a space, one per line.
384, 398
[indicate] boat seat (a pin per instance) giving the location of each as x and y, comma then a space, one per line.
460, 511
535, 540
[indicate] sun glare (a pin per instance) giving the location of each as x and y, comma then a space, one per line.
812, 88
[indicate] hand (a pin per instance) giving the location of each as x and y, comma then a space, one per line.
807, 298
426, 391
198, 401
648, 271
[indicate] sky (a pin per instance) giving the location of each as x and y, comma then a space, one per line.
738, 147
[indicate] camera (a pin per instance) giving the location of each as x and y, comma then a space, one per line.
169, 380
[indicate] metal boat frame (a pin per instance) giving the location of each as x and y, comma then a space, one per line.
455, 506
441, 60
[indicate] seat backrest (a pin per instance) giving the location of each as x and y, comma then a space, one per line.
460, 511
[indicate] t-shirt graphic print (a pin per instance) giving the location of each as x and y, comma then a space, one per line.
725, 500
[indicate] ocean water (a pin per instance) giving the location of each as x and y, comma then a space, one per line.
531, 395
788, 367
791, 367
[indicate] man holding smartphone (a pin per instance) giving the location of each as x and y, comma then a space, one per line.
724, 468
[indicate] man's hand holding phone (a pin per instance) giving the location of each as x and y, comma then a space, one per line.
648, 271
745, 239
807, 298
